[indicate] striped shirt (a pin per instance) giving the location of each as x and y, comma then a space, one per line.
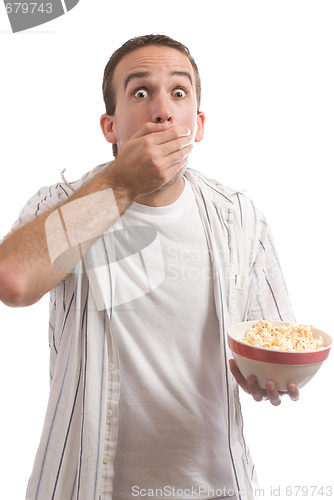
79, 436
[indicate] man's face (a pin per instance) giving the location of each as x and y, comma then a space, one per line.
155, 84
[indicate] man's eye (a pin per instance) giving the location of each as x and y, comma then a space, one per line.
179, 93
140, 93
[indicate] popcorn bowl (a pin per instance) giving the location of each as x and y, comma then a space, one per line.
283, 367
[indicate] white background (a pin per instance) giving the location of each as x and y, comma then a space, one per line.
268, 80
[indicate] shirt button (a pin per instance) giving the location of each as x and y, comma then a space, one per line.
109, 413
111, 366
106, 459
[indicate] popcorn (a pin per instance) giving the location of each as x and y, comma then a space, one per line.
292, 337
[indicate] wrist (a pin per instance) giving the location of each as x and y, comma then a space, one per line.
112, 175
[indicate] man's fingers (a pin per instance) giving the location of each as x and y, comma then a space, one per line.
173, 159
176, 163
293, 392
254, 389
177, 145
150, 128
162, 132
272, 393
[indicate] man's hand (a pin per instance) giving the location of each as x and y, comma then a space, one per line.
151, 157
251, 386
145, 162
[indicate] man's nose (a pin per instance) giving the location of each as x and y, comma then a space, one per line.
162, 110
161, 119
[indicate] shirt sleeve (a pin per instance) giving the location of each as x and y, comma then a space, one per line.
269, 297
47, 198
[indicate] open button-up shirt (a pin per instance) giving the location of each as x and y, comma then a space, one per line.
79, 437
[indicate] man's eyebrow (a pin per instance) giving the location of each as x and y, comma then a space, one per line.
144, 74
139, 74
182, 73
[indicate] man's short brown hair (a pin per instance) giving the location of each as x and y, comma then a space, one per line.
130, 46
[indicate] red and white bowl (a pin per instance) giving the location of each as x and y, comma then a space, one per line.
281, 366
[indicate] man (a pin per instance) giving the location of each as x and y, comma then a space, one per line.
148, 264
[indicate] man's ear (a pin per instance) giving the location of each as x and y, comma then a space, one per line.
107, 126
200, 127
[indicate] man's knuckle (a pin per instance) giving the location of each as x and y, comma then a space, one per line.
147, 141
151, 156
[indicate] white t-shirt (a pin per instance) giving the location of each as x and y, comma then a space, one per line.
171, 419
